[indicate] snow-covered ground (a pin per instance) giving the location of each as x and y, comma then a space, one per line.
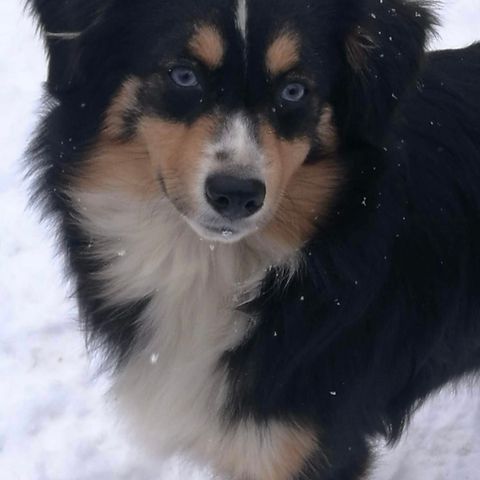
54, 423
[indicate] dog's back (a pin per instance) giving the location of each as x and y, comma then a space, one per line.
437, 146
448, 91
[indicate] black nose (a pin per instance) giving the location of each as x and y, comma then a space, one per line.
234, 197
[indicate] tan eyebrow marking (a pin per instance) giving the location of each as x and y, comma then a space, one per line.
283, 53
208, 45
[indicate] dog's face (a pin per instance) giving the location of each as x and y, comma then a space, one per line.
231, 110
235, 121
234, 130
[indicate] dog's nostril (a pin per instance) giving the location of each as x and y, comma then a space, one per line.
222, 201
252, 206
233, 197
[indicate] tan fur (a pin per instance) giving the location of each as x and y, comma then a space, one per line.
115, 164
274, 452
303, 192
208, 46
161, 154
283, 53
175, 151
125, 101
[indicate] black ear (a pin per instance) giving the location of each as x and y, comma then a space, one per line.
382, 56
65, 24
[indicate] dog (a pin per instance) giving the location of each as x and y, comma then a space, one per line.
270, 211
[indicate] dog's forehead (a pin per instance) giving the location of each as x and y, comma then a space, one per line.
243, 29
246, 37
279, 51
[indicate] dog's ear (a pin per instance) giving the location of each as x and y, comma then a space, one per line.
65, 24
382, 56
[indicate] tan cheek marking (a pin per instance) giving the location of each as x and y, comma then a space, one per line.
302, 192
121, 167
175, 151
160, 149
208, 45
114, 164
306, 200
276, 452
124, 102
283, 53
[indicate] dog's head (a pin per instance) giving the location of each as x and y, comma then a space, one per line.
237, 111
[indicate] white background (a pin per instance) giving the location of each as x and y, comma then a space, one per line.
54, 424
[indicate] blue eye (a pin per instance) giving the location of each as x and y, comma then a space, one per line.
293, 92
184, 77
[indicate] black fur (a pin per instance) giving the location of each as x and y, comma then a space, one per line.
387, 309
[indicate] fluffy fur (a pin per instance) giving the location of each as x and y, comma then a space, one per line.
274, 346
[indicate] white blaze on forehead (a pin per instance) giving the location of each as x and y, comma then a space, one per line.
239, 142
242, 15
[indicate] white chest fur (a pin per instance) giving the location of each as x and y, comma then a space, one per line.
172, 386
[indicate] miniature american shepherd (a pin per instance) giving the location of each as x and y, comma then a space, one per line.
270, 212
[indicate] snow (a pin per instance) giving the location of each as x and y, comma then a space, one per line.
54, 421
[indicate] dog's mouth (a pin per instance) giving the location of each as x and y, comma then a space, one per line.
221, 231
225, 234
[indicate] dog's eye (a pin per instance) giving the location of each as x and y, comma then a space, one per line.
293, 92
184, 77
